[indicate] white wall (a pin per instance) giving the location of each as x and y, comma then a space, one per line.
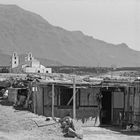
29, 70
37, 70
49, 70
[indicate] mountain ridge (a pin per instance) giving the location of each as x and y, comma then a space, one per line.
23, 31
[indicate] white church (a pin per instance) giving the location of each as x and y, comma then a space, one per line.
29, 65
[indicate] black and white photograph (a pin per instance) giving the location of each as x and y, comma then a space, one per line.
69, 69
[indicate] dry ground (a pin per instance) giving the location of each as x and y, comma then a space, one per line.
23, 125
108, 133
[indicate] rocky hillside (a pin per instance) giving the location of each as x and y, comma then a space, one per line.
23, 31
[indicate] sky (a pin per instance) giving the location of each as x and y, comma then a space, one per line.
114, 21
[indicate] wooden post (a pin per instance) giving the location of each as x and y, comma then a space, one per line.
134, 98
134, 104
52, 100
128, 99
43, 99
74, 98
112, 106
35, 102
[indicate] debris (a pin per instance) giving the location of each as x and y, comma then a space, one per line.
68, 127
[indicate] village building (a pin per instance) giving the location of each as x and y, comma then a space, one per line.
28, 65
85, 103
97, 102
113, 102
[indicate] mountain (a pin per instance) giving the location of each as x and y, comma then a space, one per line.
23, 31
45, 62
4, 59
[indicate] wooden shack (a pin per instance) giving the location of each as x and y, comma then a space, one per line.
103, 103
57, 98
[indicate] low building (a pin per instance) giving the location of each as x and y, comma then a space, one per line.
28, 65
96, 102
34, 66
111, 102
86, 105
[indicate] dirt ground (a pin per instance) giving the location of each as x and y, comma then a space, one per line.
24, 125
109, 133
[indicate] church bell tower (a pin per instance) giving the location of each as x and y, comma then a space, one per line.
15, 60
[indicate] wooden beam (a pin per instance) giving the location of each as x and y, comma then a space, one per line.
134, 99
43, 99
128, 98
112, 106
74, 98
35, 102
71, 98
52, 100
124, 100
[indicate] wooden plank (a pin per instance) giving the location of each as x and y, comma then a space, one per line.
34, 96
112, 106
134, 98
43, 99
128, 98
52, 100
71, 99
134, 104
74, 98
35, 102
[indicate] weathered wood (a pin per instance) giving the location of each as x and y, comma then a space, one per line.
128, 98
71, 98
52, 100
134, 98
35, 102
74, 98
134, 104
112, 106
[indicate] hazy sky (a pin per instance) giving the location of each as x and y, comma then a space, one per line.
114, 21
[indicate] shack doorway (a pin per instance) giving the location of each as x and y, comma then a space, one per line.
66, 97
106, 108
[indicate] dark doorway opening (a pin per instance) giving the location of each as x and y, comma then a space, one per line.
106, 108
66, 97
